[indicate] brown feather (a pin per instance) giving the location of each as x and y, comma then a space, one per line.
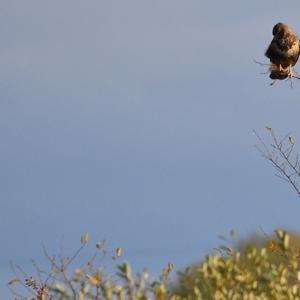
283, 50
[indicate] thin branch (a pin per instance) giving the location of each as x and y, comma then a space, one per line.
13, 268
281, 158
62, 271
285, 157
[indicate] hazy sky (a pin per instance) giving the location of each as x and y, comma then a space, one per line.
133, 120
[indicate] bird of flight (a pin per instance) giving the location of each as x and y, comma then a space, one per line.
283, 53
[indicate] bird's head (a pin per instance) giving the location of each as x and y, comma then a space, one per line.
280, 28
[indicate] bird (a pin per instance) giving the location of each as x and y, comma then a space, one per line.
283, 51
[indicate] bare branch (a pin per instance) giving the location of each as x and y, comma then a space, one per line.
281, 157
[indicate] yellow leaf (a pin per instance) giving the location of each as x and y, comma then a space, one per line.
93, 281
41, 297
81, 295
286, 241
295, 289
98, 276
228, 251
280, 233
60, 288
78, 272
13, 281
292, 140
271, 245
119, 252
170, 267
84, 238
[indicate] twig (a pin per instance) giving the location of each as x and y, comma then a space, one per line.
62, 271
13, 268
288, 169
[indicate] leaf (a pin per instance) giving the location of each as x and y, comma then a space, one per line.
93, 281
286, 241
170, 267
98, 276
292, 140
13, 281
81, 295
295, 290
229, 251
78, 272
99, 245
280, 233
271, 245
84, 238
226, 249
119, 252
60, 288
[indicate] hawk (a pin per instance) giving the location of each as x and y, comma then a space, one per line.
283, 51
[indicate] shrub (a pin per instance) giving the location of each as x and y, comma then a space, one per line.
270, 271
90, 281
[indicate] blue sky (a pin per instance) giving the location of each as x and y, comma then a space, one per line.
132, 120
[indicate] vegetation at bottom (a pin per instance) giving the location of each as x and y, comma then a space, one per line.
257, 268
260, 268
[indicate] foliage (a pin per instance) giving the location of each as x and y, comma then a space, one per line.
270, 271
90, 281
265, 268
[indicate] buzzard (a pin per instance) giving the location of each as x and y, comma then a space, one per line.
283, 51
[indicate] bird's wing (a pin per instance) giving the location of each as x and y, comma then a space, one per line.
275, 51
